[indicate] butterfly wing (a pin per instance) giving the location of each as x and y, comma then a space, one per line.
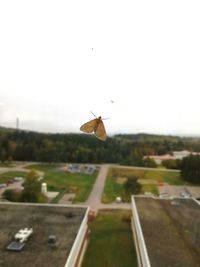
100, 131
89, 126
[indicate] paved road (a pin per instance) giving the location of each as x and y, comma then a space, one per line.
94, 200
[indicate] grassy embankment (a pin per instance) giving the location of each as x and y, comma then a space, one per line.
111, 241
151, 178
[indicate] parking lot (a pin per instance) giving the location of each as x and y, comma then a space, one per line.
179, 191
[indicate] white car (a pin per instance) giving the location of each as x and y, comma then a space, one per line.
18, 179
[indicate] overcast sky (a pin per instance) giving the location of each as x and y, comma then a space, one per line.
135, 62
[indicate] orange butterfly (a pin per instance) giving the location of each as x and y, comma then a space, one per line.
96, 126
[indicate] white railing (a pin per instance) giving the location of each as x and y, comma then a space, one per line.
143, 259
197, 201
75, 250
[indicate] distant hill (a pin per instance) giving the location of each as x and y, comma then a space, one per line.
4, 129
127, 149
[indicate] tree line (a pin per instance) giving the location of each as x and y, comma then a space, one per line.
82, 148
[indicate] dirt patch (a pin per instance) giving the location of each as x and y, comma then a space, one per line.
147, 181
121, 180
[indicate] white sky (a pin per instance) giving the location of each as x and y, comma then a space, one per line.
61, 59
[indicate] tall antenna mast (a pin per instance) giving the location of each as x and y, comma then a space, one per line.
17, 124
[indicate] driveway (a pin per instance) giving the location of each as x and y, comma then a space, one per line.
94, 200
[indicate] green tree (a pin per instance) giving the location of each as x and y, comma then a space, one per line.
32, 189
190, 169
148, 162
131, 186
3, 155
172, 164
169, 164
11, 195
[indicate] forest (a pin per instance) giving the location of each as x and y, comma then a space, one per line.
127, 149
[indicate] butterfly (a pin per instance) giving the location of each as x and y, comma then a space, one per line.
96, 126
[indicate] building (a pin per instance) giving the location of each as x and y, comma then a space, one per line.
58, 234
166, 231
176, 155
183, 154
158, 159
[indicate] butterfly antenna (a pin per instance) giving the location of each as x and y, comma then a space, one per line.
93, 114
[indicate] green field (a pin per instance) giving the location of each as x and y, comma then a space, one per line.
111, 241
5, 177
5, 164
113, 189
62, 181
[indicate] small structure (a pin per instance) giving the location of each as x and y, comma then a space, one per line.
81, 168
52, 240
15, 246
118, 199
44, 188
21, 238
90, 169
23, 235
73, 168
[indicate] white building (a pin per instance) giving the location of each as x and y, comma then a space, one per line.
176, 155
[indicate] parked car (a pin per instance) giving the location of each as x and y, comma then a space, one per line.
18, 179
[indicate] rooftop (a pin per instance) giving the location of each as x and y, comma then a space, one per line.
171, 230
45, 220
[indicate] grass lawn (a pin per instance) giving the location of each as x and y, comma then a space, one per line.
5, 177
111, 241
149, 188
59, 180
113, 189
5, 164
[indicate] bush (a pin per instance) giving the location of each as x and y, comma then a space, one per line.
150, 163
172, 164
11, 195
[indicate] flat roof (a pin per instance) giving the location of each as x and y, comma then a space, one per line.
171, 230
62, 221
